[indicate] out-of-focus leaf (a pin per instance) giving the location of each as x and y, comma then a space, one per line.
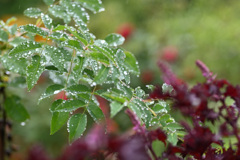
114, 39
3, 36
77, 89
93, 5
33, 12
15, 110
48, 2
47, 21
34, 29
115, 108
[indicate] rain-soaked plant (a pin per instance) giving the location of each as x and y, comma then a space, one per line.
79, 65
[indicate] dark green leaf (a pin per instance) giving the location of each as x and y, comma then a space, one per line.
51, 90
115, 108
95, 112
58, 120
69, 105
25, 49
34, 70
15, 110
76, 126
77, 89
114, 39
33, 12
34, 29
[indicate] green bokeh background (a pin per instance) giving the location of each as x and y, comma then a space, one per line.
205, 30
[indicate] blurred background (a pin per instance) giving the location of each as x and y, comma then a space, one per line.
176, 31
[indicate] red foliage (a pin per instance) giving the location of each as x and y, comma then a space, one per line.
169, 54
125, 30
61, 95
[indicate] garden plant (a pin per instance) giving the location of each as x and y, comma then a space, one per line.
84, 68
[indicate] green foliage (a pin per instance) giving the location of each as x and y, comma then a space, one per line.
78, 64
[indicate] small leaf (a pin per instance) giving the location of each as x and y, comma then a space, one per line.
76, 126
158, 108
77, 89
115, 108
58, 120
33, 12
78, 68
51, 90
25, 49
3, 36
34, 29
34, 70
15, 110
174, 126
47, 21
98, 56
139, 92
114, 39
172, 138
101, 75
69, 105
131, 63
48, 2
74, 44
93, 5
95, 112
135, 109
59, 12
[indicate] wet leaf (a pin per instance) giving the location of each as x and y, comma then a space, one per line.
93, 5
33, 12
101, 75
34, 29
95, 112
51, 90
69, 105
115, 108
114, 39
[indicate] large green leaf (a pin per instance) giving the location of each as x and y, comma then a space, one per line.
100, 57
25, 49
131, 63
93, 5
51, 90
115, 108
77, 89
95, 112
15, 110
60, 12
33, 12
3, 36
101, 75
69, 106
34, 70
114, 39
34, 29
76, 126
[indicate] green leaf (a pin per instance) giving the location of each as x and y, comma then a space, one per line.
57, 57
15, 65
95, 112
74, 44
25, 49
33, 12
78, 68
59, 28
131, 63
101, 75
77, 89
93, 5
114, 39
77, 12
3, 36
158, 108
113, 94
48, 2
135, 109
15, 110
139, 92
58, 120
47, 21
61, 36
115, 108
34, 70
51, 90
76, 126
69, 105
98, 56
13, 29
34, 29
174, 126
60, 12
172, 138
